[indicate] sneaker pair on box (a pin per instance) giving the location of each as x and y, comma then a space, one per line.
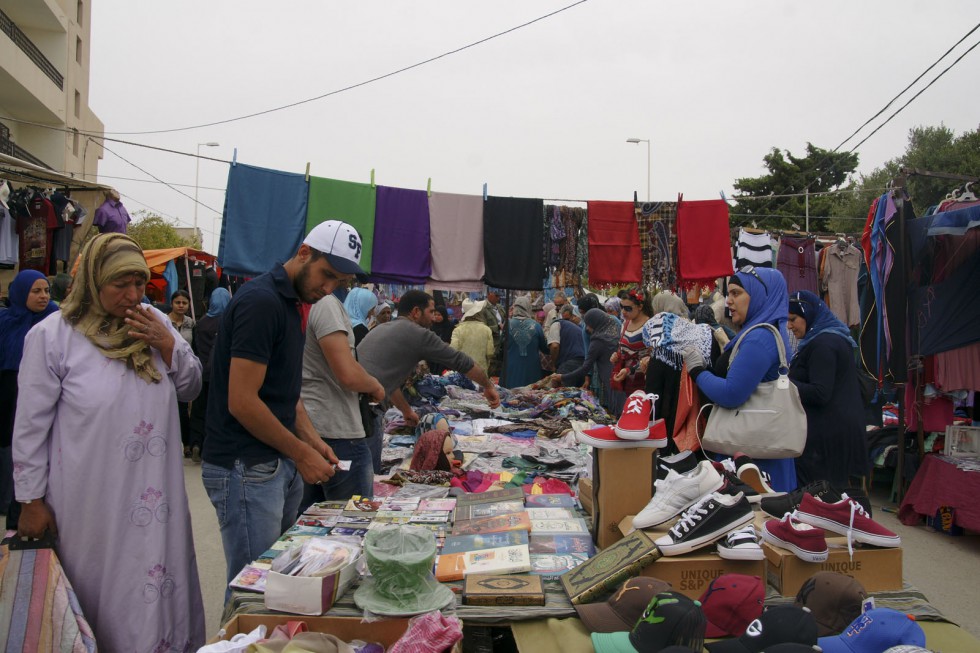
803, 531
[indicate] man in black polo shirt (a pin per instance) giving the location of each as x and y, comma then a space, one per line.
254, 463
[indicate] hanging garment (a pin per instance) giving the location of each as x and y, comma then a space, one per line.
34, 232
112, 217
401, 243
839, 281
798, 262
456, 237
8, 238
753, 249
614, 244
554, 236
959, 369
571, 219
945, 316
264, 219
657, 222
704, 250
347, 201
513, 243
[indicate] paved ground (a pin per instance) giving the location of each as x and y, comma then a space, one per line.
944, 568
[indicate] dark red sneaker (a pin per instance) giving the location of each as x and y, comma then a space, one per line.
846, 517
636, 420
805, 541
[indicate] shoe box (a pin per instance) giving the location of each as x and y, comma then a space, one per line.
690, 574
622, 484
877, 569
585, 496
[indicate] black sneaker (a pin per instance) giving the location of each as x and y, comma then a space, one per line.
708, 520
681, 463
779, 506
733, 485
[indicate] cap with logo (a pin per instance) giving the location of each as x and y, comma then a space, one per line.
834, 599
340, 243
789, 647
670, 619
904, 648
731, 603
624, 608
874, 631
779, 624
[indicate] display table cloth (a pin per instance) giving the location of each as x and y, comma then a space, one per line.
939, 482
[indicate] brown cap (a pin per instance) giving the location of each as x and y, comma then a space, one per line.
834, 599
624, 608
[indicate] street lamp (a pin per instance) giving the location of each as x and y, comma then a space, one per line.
197, 177
637, 141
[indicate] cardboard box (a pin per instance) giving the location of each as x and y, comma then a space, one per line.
585, 495
308, 595
691, 574
876, 569
944, 521
622, 482
384, 631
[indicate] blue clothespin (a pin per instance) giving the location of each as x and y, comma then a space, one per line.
484, 192
234, 157
722, 193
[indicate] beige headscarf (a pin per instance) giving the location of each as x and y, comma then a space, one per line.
104, 258
665, 302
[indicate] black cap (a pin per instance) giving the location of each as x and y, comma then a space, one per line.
779, 624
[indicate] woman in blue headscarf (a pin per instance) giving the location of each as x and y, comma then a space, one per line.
755, 296
825, 373
202, 342
30, 302
526, 339
360, 303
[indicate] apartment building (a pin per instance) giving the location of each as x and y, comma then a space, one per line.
44, 78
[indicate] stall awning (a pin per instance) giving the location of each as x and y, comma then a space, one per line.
24, 172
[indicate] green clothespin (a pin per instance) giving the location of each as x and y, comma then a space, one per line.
428, 188
372, 177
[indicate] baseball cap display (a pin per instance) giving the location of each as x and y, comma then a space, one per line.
792, 648
624, 608
670, 619
904, 648
731, 603
779, 624
874, 631
834, 599
341, 244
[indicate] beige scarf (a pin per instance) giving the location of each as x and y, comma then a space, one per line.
105, 258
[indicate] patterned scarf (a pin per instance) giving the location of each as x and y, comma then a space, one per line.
669, 335
658, 243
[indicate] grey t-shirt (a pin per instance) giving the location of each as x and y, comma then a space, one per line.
333, 410
389, 352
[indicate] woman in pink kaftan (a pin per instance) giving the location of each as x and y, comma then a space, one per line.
98, 458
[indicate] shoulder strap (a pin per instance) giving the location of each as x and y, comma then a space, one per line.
779, 343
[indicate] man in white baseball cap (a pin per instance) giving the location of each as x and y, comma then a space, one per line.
340, 243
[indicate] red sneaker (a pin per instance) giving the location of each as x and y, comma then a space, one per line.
637, 417
846, 517
604, 437
806, 542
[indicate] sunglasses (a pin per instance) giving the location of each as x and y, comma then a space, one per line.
749, 269
627, 309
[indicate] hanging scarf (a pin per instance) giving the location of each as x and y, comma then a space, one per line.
819, 318
767, 303
358, 303
17, 320
220, 298
522, 325
104, 258
669, 335
604, 327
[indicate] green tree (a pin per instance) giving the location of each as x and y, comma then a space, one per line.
817, 172
152, 231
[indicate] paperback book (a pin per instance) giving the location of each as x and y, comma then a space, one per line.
549, 501
251, 578
437, 504
499, 560
507, 494
463, 543
488, 509
561, 544
575, 526
517, 521
550, 565
552, 513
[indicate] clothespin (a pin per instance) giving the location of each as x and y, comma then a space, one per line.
234, 157
307, 171
428, 188
484, 192
372, 177
723, 198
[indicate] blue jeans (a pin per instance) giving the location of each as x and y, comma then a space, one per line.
255, 505
376, 441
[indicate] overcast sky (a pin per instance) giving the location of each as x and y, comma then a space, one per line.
543, 111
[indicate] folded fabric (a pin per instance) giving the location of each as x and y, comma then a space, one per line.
614, 244
401, 237
704, 250
456, 242
432, 632
513, 243
264, 219
350, 202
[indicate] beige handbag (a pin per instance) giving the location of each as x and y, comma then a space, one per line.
770, 425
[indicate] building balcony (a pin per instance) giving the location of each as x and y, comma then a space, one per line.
21, 40
10, 148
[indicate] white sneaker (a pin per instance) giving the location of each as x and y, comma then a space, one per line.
677, 493
741, 544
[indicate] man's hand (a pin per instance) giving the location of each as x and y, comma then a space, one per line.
377, 393
314, 467
555, 380
493, 398
36, 519
326, 451
411, 418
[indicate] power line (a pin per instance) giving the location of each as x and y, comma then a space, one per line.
359, 84
839, 191
167, 215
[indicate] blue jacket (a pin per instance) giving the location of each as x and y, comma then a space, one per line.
757, 361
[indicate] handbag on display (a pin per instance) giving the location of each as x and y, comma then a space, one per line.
771, 424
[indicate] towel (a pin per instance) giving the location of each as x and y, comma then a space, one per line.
401, 242
513, 243
456, 239
347, 201
704, 250
614, 244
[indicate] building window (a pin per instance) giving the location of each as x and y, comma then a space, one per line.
79, 12
74, 144
78, 104
78, 50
